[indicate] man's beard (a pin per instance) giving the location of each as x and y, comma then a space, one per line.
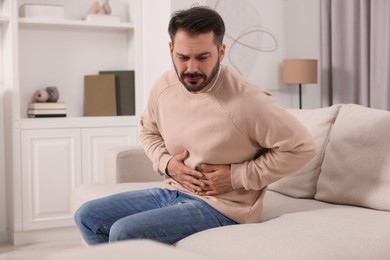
206, 80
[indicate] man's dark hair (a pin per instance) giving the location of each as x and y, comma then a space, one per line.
197, 20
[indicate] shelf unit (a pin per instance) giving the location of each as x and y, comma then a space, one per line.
79, 48
4, 20
47, 157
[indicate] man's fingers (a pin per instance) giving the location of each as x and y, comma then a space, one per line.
205, 168
182, 156
192, 186
194, 180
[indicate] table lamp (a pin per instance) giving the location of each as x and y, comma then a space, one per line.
299, 71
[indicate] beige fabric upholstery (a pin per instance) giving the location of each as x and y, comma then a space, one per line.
128, 164
307, 229
137, 249
302, 183
356, 166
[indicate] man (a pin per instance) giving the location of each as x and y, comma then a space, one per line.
218, 139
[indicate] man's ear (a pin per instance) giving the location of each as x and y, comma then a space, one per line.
171, 48
222, 50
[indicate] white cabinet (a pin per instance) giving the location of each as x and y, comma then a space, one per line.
47, 157
51, 168
55, 161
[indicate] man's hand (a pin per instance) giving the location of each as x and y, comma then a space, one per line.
206, 180
186, 176
217, 179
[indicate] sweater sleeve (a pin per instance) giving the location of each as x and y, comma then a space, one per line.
151, 138
283, 141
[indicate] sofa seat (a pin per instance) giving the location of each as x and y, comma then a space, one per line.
138, 249
299, 229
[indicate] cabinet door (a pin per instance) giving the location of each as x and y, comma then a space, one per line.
96, 142
51, 168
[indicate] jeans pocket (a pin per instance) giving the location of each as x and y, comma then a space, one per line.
174, 194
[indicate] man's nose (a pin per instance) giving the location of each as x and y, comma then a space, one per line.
192, 66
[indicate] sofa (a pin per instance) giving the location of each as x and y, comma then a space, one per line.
335, 207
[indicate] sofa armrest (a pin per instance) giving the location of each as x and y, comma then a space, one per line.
128, 164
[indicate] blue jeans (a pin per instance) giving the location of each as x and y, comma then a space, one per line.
158, 214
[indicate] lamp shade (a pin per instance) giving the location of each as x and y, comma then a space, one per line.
299, 71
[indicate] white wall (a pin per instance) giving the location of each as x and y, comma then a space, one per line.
155, 18
3, 220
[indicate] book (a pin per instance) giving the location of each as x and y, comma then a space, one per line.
124, 90
99, 95
46, 112
47, 115
46, 105
42, 11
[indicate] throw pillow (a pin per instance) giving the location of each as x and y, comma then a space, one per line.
355, 170
302, 183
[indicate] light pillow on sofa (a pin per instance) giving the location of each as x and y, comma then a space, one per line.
356, 166
302, 183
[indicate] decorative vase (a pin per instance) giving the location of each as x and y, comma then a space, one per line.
107, 7
53, 94
41, 95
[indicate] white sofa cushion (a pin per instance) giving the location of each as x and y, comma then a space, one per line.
302, 183
299, 229
129, 249
356, 165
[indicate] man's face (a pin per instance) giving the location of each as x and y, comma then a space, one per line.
196, 60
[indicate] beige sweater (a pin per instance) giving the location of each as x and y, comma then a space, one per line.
228, 125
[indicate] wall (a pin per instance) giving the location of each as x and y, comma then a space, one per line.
155, 18
3, 222
4, 10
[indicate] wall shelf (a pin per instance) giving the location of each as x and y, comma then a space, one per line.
75, 23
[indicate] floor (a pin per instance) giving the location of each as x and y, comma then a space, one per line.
36, 251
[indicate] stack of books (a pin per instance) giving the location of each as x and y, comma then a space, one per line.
111, 93
46, 109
